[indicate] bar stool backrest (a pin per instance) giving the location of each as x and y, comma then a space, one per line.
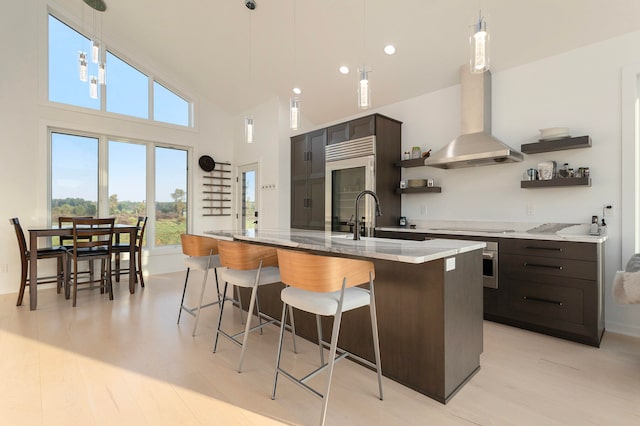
244, 256
198, 246
322, 273
22, 242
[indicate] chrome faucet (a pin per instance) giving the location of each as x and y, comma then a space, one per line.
356, 228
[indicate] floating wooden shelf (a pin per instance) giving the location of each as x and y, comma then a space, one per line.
419, 189
583, 181
414, 162
556, 145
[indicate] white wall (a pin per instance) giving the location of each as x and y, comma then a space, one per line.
580, 90
25, 116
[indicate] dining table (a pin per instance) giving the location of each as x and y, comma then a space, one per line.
56, 231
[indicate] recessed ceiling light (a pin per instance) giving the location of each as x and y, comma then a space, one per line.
344, 69
389, 49
297, 90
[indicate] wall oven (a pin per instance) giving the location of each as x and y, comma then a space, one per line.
350, 169
490, 265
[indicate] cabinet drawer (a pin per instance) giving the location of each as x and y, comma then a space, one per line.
554, 249
545, 304
524, 266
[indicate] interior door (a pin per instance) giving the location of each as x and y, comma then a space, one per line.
248, 184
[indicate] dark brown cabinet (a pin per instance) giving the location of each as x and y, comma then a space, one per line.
308, 168
553, 287
307, 180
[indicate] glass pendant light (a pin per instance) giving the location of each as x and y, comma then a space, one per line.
93, 87
364, 90
479, 47
82, 66
102, 74
294, 113
95, 52
248, 129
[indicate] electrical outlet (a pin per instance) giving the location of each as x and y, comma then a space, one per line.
608, 210
531, 209
423, 210
4, 268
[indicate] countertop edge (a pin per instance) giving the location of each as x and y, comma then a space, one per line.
594, 239
414, 252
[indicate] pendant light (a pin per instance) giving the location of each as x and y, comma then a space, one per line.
294, 113
294, 102
96, 54
479, 46
364, 90
248, 129
248, 120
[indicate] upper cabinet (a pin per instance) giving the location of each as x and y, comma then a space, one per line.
354, 129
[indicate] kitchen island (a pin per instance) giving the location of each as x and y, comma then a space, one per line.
428, 300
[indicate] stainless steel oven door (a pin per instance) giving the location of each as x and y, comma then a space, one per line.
344, 180
490, 265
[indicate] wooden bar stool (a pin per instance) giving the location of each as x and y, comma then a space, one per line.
202, 255
324, 285
248, 266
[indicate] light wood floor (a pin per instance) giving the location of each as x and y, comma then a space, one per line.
126, 362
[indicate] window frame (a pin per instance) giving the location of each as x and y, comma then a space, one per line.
151, 78
102, 207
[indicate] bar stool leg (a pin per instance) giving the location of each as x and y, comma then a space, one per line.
332, 359
374, 329
184, 290
319, 328
282, 323
247, 326
293, 330
204, 285
224, 298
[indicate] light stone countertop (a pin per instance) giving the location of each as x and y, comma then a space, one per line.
340, 243
533, 231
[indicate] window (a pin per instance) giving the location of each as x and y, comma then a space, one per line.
127, 89
64, 80
127, 181
76, 189
169, 107
74, 176
171, 195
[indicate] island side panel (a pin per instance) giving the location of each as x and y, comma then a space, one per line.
463, 319
429, 320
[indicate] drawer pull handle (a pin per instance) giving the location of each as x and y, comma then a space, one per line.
536, 299
560, 249
535, 265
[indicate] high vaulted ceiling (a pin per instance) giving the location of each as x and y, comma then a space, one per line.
238, 58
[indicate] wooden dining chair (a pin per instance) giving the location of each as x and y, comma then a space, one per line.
92, 240
326, 286
55, 252
119, 248
67, 241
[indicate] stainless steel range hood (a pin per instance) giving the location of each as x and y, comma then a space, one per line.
476, 146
